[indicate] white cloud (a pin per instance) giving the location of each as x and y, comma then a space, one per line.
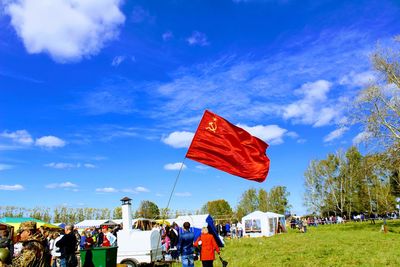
183, 194
198, 38
272, 134
117, 61
15, 187
292, 135
315, 91
21, 137
358, 79
89, 166
335, 134
168, 35
136, 190
62, 165
179, 139
301, 141
142, 189
66, 30
361, 137
106, 190
4, 167
202, 167
313, 107
174, 166
50, 142
65, 185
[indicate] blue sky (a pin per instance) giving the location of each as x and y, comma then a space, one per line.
100, 99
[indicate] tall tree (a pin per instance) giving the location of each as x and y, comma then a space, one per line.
218, 209
248, 203
263, 201
278, 199
378, 107
148, 209
334, 181
315, 193
117, 212
355, 187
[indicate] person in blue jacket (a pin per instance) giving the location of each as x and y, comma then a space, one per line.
185, 246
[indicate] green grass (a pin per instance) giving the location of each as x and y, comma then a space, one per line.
350, 244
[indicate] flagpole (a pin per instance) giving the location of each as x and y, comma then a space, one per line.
169, 200
176, 181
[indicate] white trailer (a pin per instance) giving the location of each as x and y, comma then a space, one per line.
134, 246
139, 247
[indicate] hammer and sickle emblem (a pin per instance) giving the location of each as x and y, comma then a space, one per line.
212, 125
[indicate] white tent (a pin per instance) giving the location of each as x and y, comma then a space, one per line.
93, 223
197, 221
260, 223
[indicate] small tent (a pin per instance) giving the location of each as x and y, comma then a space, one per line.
260, 223
16, 221
94, 223
196, 223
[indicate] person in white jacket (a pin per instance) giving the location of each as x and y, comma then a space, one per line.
55, 251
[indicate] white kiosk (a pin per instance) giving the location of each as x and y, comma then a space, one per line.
134, 246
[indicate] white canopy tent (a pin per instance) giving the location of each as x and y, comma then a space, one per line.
197, 221
93, 223
260, 223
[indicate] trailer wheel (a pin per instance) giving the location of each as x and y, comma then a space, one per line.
130, 263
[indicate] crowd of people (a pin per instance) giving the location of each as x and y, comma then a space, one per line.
205, 244
180, 243
302, 223
228, 229
43, 247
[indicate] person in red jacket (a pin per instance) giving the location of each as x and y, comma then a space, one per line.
208, 246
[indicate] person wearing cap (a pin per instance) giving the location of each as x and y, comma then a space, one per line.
185, 246
34, 252
68, 245
108, 238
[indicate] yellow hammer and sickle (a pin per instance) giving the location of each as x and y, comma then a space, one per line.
212, 125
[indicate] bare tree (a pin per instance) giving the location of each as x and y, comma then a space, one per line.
378, 106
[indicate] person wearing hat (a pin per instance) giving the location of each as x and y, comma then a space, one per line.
108, 238
68, 246
34, 251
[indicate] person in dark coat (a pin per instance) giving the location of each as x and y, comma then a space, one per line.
68, 245
185, 246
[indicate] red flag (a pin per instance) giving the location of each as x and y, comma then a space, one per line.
224, 146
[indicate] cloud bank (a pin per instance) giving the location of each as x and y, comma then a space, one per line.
67, 30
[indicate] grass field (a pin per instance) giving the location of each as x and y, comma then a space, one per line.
350, 244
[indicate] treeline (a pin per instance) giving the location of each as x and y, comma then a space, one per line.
276, 200
346, 183
61, 214
349, 182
